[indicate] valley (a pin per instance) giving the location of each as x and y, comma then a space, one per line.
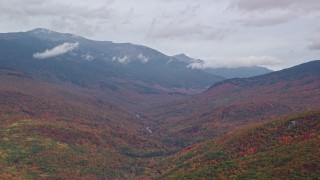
104, 110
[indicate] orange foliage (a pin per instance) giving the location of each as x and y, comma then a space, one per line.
34, 168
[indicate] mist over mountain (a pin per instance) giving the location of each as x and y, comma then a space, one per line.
226, 72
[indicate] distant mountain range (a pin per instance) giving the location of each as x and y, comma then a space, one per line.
68, 57
229, 73
240, 72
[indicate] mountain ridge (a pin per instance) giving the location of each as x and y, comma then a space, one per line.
235, 103
124, 73
119, 59
308, 68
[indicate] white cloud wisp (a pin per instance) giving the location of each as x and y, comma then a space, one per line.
56, 51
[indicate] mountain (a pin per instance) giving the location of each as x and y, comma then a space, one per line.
186, 59
229, 73
239, 72
235, 103
286, 148
109, 67
95, 59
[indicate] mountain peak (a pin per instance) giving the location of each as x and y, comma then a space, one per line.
184, 58
182, 55
41, 30
47, 34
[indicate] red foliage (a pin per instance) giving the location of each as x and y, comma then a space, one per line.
242, 163
34, 168
285, 139
311, 135
251, 150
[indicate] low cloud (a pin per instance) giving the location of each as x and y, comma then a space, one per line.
56, 51
248, 61
143, 58
123, 59
88, 57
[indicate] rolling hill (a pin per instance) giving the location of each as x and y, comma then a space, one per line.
238, 102
285, 148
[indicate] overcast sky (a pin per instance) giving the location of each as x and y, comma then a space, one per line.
272, 33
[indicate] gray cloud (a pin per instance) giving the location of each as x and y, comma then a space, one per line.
314, 46
195, 31
253, 5
56, 51
57, 14
36, 8
189, 12
273, 12
314, 41
266, 5
256, 21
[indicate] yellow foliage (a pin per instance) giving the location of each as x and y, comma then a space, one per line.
30, 139
62, 145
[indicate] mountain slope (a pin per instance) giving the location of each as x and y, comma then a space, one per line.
238, 102
95, 59
60, 130
286, 148
122, 73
